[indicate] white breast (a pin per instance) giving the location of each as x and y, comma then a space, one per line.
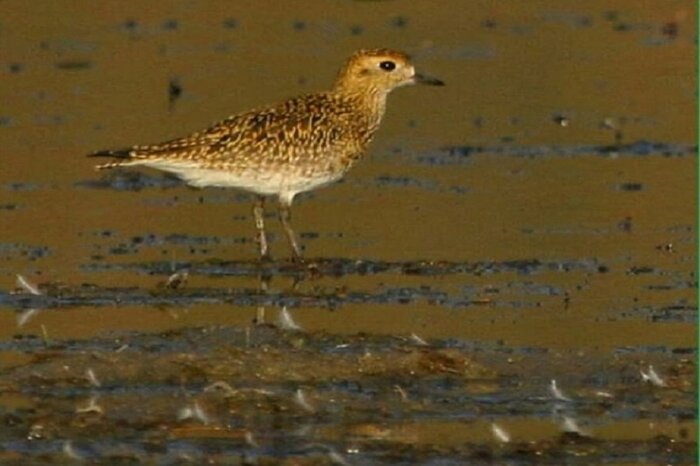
267, 183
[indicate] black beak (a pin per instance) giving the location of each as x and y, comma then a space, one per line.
429, 80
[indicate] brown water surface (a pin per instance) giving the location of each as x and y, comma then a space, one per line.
534, 220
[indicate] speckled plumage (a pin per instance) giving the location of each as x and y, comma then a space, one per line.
291, 147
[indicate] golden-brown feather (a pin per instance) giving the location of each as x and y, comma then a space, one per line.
300, 143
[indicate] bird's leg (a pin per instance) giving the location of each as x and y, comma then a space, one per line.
261, 238
285, 214
264, 287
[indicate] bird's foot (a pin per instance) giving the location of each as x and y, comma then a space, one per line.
313, 271
297, 258
310, 269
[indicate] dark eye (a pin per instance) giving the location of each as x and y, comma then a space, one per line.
387, 65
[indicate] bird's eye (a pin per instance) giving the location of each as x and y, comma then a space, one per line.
387, 65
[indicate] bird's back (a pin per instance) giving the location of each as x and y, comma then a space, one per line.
324, 131
291, 147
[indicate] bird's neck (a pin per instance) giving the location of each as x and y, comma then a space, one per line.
370, 104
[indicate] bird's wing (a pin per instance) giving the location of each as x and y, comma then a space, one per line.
293, 129
210, 144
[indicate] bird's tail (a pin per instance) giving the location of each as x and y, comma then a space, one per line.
122, 154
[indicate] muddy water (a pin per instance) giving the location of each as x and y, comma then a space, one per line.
535, 220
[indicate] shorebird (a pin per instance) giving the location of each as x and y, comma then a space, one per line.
288, 148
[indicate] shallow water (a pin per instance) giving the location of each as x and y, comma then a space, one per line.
534, 220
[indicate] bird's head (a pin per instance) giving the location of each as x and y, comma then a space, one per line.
379, 70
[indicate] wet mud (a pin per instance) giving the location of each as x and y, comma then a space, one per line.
509, 277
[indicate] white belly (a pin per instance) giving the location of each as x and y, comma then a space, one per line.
266, 183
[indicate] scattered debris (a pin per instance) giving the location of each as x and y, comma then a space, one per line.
300, 400
45, 335
177, 280
90, 375
500, 434
337, 458
401, 392
193, 412
91, 407
418, 340
26, 316
123, 347
666, 247
28, 286
222, 386
174, 91
70, 452
561, 120
569, 425
286, 322
556, 393
250, 440
650, 376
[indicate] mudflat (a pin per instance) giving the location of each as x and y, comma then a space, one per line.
508, 276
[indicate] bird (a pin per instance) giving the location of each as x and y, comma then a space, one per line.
286, 148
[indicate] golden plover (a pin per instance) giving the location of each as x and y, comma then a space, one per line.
288, 148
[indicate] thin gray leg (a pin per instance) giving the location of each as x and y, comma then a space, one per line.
285, 214
261, 238
264, 287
